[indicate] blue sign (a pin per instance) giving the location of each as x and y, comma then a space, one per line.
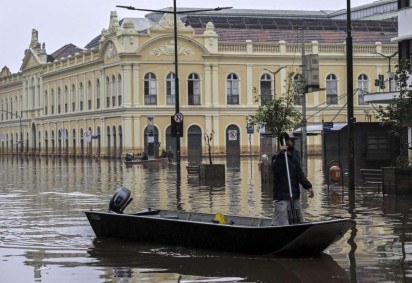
250, 129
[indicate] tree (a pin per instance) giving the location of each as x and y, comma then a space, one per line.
278, 114
208, 136
398, 113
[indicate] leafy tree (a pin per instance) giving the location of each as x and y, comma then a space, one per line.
398, 113
278, 114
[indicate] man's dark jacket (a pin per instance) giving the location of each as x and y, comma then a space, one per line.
280, 180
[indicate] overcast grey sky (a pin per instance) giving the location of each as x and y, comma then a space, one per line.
78, 21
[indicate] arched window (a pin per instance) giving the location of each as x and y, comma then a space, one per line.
150, 90
193, 89
46, 102
119, 90
170, 89
59, 100
265, 88
89, 95
38, 92
232, 86
81, 97
114, 91
33, 93
52, 101
66, 99
97, 94
107, 92
331, 89
297, 89
363, 86
73, 98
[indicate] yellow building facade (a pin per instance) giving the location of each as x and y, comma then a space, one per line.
119, 96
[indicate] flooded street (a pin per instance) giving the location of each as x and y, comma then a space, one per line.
45, 236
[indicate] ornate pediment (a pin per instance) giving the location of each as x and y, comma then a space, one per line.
36, 53
167, 23
111, 51
168, 49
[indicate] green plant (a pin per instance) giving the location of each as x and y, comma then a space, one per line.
279, 113
398, 113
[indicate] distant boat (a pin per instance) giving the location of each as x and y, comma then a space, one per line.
148, 161
237, 234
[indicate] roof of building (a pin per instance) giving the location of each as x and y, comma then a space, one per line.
275, 25
68, 49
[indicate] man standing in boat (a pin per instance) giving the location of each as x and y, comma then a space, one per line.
281, 192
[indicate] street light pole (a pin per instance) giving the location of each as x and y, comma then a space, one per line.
389, 57
349, 91
19, 142
175, 12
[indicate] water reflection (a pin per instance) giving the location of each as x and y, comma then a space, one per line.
43, 229
205, 264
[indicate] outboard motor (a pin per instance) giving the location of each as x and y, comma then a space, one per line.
120, 200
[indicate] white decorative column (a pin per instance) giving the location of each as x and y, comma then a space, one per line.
127, 85
137, 138
215, 84
249, 84
135, 98
208, 85
127, 133
216, 127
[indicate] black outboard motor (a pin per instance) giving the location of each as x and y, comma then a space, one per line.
120, 200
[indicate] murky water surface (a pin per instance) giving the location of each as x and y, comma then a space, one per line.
45, 237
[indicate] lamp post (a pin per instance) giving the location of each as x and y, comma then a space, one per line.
389, 57
349, 91
19, 142
175, 12
274, 77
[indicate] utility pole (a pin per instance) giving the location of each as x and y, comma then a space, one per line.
349, 91
304, 122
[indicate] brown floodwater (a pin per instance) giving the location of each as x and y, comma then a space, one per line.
45, 237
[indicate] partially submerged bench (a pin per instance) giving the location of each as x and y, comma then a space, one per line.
371, 177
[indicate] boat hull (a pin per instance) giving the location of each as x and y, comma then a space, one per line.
293, 240
149, 161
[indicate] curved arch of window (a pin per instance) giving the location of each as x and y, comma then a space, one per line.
331, 89
46, 102
170, 88
52, 101
114, 91
232, 89
108, 92
81, 97
66, 98
265, 88
297, 86
59, 100
89, 95
363, 87
119, 90
97, 94
193, 89
150, 89
33, 92
73, 97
